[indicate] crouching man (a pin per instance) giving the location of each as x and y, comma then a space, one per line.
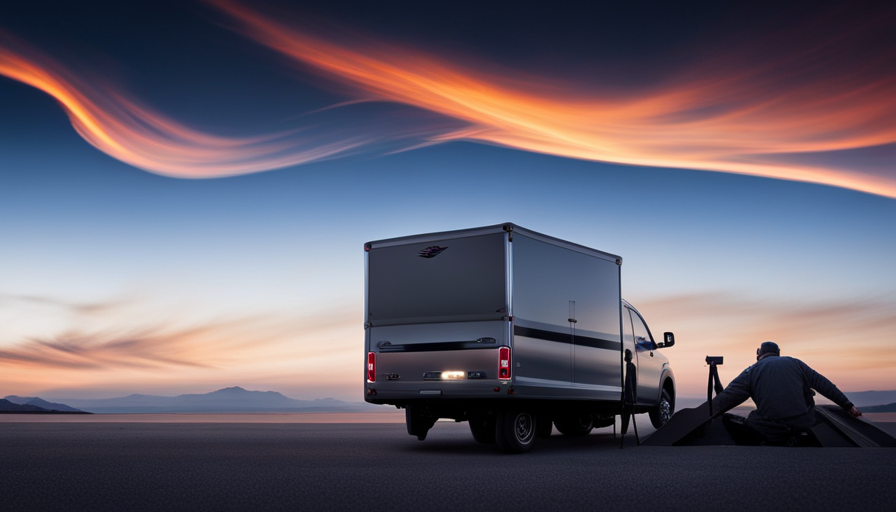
782, 388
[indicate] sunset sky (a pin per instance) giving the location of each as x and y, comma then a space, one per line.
186, 186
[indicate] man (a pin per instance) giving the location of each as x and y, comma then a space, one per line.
782, 388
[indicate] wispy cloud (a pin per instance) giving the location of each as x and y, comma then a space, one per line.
106, 117
131, 344
751, 109
158, 348
160, 344
76, 307
786, 105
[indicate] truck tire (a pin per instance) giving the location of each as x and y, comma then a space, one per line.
418, 423
515, 431
660, 414
483, 429
574, 426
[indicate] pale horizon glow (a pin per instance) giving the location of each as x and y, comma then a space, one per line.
268, 354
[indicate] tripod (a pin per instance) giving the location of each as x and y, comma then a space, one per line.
713, 362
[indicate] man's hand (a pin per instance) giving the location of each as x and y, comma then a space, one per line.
855, 413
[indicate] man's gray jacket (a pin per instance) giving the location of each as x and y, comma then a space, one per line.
782, 388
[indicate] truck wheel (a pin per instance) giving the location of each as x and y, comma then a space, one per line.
660, 414
483, 429
574, 426
418, 423
515, 431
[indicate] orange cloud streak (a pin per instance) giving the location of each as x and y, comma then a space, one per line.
134, 134
740, 118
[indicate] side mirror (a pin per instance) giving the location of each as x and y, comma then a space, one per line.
668, 340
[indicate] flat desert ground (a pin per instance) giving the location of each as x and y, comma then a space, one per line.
222, 463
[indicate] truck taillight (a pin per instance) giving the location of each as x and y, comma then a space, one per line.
371, 367
504, 363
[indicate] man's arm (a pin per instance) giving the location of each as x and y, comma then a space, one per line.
828, 389
736, 393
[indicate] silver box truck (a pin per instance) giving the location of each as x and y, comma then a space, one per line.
508, 329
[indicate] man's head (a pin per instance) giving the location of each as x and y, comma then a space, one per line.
768, 348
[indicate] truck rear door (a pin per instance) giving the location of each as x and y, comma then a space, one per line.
437, 313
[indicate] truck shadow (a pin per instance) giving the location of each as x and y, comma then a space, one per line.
555, 444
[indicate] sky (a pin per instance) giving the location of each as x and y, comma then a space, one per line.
186, 187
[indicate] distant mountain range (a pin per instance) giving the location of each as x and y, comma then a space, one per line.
22, 404
880, 408
236, 400
872, 398
227, 400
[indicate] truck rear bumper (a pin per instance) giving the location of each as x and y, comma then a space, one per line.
415, 390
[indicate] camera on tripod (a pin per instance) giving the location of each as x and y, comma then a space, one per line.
714, 382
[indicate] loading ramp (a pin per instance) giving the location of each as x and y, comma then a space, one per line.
835, 428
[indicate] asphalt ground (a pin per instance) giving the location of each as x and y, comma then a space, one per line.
377, 466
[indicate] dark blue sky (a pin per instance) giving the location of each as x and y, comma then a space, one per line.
241, 280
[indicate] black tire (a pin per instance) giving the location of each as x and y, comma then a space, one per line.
515, 431
483, 429
418, 423
574, 426
664, 410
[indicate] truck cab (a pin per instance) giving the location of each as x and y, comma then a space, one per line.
656, 390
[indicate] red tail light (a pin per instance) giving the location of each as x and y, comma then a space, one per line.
371, 367
504, 363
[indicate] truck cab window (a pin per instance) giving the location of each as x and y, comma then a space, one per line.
628, 338
643, 339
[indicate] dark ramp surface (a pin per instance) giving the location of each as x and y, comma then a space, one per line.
858, 431
685, 425
835, 429
372, 467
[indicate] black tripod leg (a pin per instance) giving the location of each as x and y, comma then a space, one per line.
623, 429
713, 380
718, 382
